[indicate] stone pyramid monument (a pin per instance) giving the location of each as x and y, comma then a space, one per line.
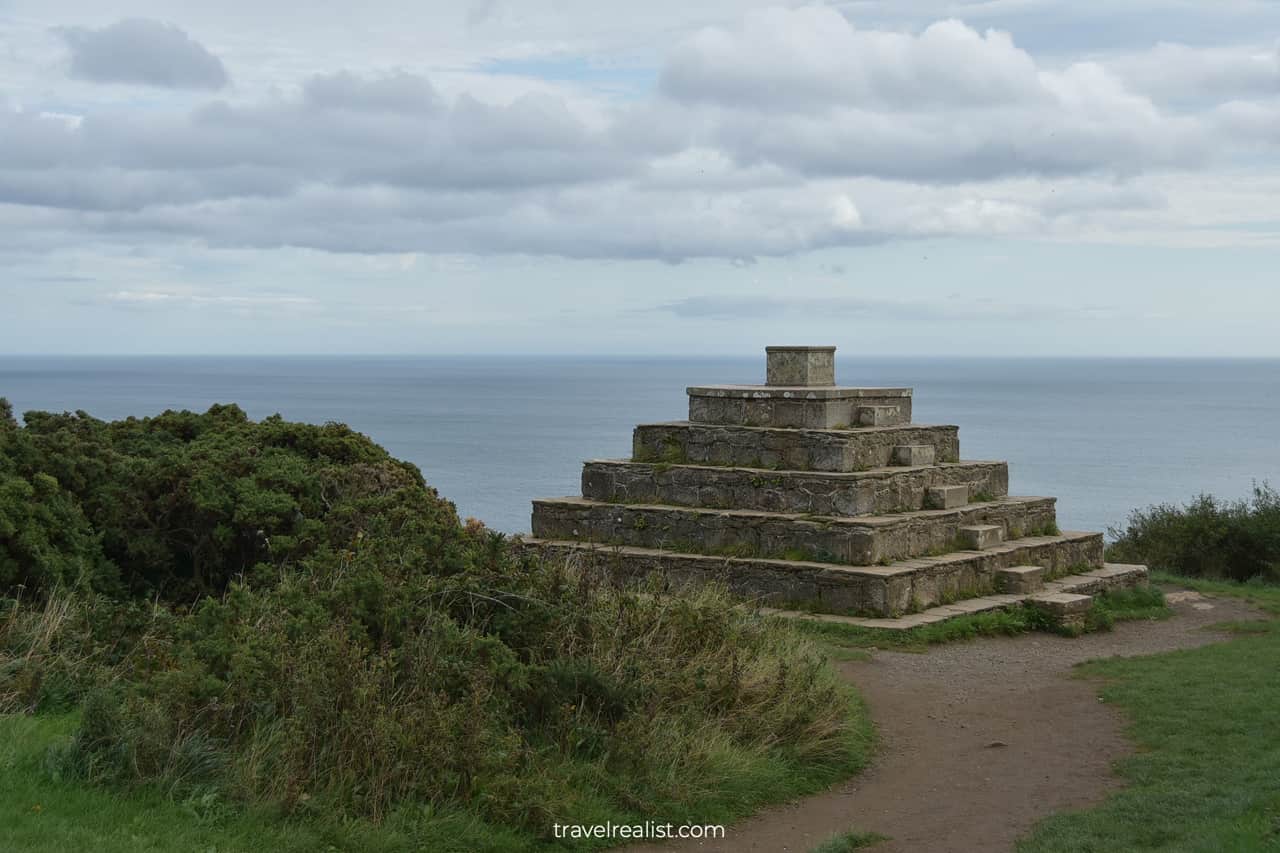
804, 494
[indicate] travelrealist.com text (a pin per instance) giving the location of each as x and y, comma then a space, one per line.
638, 831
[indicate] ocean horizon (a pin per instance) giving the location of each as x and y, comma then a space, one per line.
492, 432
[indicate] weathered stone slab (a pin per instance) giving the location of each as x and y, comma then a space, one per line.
872, 416
946, 497
973, 605
880, 590
683, 442
879, 491
800, 365
914, 454
1109, 576
796, 406
979, 537
854, 541
1067, 609
1020, 579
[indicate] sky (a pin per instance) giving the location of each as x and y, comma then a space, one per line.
911, 177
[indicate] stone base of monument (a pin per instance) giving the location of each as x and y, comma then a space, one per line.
823, 502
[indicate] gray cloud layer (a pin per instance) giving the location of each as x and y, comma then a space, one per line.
793, 131
143, 52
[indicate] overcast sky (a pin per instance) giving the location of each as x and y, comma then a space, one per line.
1008, 177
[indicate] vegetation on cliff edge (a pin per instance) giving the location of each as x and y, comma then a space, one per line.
276, 616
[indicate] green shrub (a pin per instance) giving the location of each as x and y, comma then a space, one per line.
354, 686
284, 615
1208, 537
184, 503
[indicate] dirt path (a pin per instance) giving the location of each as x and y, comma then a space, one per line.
978, 740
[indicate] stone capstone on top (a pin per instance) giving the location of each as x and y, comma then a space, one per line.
800, 366
800, 392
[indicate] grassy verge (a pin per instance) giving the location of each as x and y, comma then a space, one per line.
47, 812
1264, 596
1205, 721
1108, 608
43, 812
46, 809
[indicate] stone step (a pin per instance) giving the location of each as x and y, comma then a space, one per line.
914, 454
683, 442
879, 491
883, 591
949, 497
804, 407
1110, 576
1020, 579
857, 541
1065, 609
979, 537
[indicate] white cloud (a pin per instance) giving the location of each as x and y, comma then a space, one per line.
812, 58
791, 131
1180, 72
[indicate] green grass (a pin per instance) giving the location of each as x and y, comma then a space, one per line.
846, 841
1206, 722
1264, 596
46, 810
45, 813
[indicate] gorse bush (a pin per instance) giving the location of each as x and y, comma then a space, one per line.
282, 614
180, 504
1208, 537
359, 687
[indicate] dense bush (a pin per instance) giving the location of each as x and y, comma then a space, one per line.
283, 614
1208, 537
45, 538
183, 503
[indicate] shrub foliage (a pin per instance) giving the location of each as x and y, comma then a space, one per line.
281, 613
1207, 537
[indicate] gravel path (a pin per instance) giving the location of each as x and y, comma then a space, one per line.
979, 740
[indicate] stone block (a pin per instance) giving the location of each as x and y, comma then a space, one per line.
946, 497
786, 449
1020, 579
879, 491
793, 407
800, 366
869, 416
979, 537
914, 454
1066, 609
882, 590
858, 541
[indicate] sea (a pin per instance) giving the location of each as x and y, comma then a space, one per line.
1105, 436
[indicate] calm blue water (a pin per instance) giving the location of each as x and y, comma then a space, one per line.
1103, 435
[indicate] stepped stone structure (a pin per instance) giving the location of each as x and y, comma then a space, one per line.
802, 493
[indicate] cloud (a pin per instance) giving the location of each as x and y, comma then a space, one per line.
142, 52
186, 298
1180, 72
958, 307
812, 58
791, 132
805, 90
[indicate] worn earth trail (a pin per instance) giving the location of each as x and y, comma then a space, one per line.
978, 740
